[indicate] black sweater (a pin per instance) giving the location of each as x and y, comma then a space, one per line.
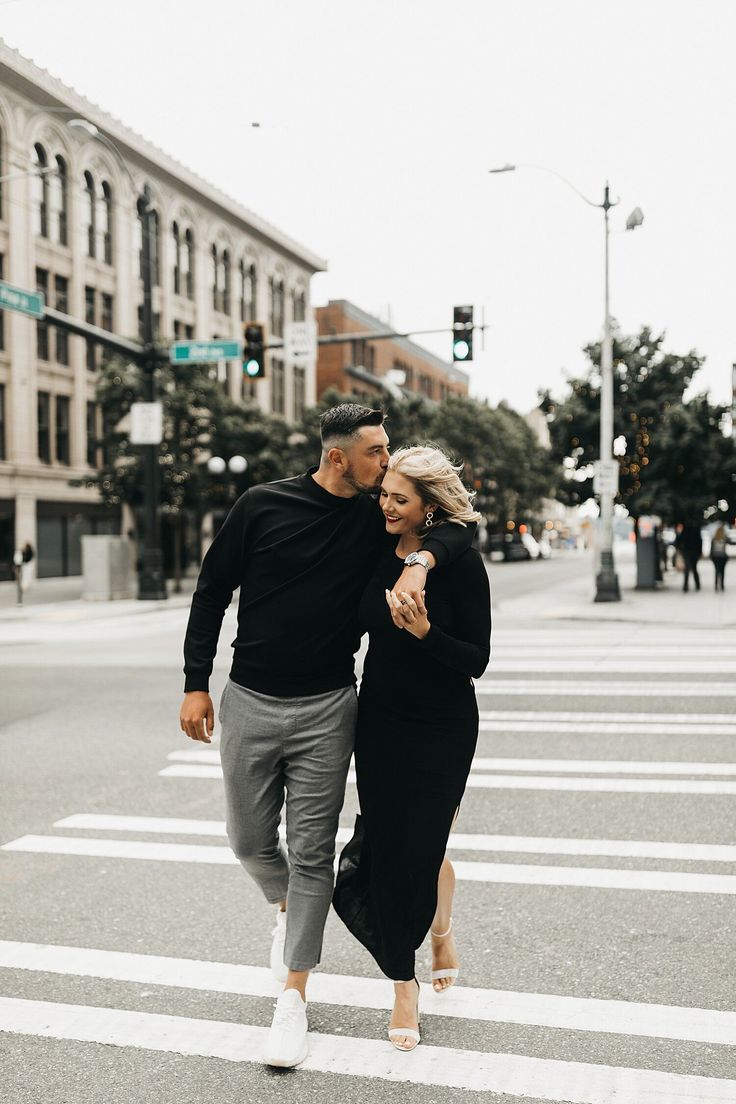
301, 557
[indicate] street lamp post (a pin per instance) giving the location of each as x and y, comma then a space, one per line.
151, 582
607, 586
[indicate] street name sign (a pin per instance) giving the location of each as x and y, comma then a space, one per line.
300, 340
17, 299
146, 423
204, 352
605, 480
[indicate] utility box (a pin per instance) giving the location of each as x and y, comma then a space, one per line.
647, 555
107, 569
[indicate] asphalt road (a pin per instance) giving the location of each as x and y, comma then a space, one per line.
594, 910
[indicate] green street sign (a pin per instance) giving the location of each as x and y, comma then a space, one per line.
18, 299
204, 352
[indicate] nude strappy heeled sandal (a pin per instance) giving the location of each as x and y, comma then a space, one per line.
448, 972
406, 1032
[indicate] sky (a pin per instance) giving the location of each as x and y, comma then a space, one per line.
379, 122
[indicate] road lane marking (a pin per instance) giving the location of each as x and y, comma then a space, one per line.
609, 665
588, 1014
511, 873
583, 688
577, 766
479, 1071
613, 728
525, 782
458, 841
580, 716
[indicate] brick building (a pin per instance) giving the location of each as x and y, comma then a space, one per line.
370, 367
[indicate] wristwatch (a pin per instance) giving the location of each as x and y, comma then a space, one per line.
417, 558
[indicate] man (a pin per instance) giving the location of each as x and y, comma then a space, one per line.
301, 551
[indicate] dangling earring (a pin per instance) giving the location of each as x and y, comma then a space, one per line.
428, 520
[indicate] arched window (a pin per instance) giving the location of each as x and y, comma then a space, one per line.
104, 223
215, 272
155, 249
2, 171
276, 288
226, 289
89, 214
188, 264
155, 240
247, 292
40, 192
58, 198
299, 304
176, 237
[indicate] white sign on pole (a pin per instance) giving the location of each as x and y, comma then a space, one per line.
300, 340
146, 423
605, 480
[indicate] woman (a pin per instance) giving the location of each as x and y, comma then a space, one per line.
719, 555
416, 736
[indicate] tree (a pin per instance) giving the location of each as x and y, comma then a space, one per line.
658, 431
199, 421
510, 471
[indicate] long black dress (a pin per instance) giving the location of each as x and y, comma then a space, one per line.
416, 736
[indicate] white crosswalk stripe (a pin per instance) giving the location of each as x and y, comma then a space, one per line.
587, 1014
478, 1071
509, 873
577, 766
458, 841
524, 782
590, 688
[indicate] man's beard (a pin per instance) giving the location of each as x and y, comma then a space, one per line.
361, 488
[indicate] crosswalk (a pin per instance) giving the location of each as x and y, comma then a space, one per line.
534, 666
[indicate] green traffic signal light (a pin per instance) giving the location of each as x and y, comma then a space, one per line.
254, 350
462, 327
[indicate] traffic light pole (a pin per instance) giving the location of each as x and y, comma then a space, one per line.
151, 583
381, 335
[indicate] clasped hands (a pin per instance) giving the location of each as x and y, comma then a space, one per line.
407, 612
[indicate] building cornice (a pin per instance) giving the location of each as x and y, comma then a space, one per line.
45, 90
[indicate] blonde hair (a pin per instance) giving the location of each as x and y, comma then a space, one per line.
436, 480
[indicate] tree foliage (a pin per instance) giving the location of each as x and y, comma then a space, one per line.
675, 454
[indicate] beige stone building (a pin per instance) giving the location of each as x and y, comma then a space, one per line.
74, 233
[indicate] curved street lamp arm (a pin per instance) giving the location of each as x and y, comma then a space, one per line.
553, 172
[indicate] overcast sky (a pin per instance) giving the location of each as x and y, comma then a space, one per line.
380, 120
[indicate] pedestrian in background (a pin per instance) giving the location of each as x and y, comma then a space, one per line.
301, 550
28, 567
689, 543
416, 735
719, 555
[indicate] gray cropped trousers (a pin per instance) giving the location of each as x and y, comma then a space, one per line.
300, 749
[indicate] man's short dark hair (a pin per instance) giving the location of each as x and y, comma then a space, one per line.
345, 420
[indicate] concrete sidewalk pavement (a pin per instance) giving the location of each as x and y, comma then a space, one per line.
572, 599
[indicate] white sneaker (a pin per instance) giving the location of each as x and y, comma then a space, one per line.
287, 1040
278, 969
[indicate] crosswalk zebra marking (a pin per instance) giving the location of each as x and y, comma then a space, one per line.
585, 688
479, 1071
588, 1014
509, 873
524, 782
577, 766
458, 841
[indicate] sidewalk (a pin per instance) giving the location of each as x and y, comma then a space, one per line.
572, 600
60, 600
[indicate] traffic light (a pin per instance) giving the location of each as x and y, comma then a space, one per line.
254, 350
462, 333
